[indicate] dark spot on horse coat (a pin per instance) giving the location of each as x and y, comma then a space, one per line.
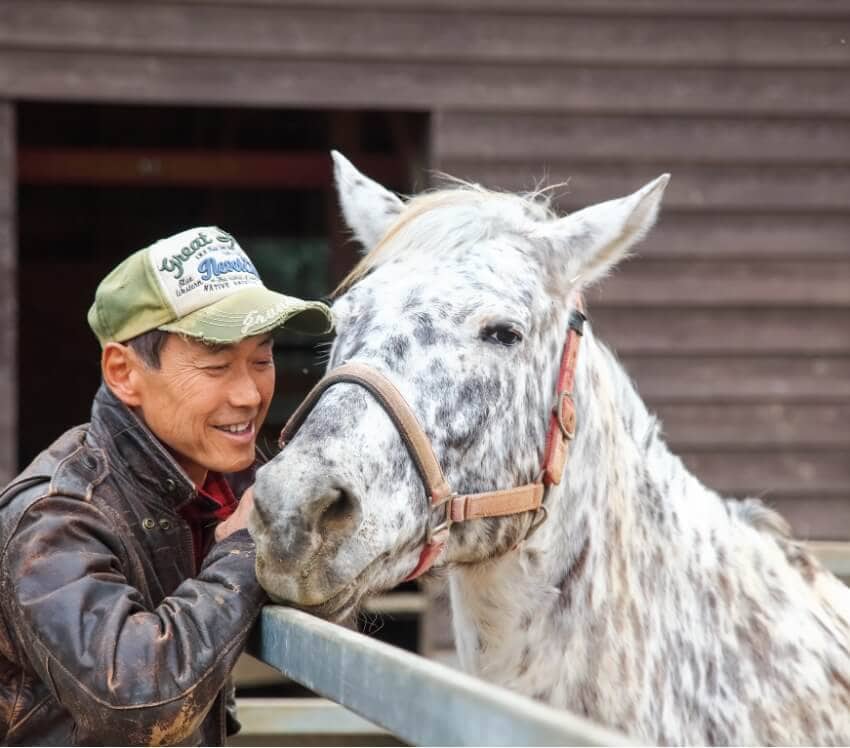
394, 351
659, 675
711, 677
444, 413
462, 314
625, 666
424, 330
413, 300
524, 660
755, 637
532, 557
713, 733
799, 558
588, 698
840, 679
573, 574
652, 496
726, 590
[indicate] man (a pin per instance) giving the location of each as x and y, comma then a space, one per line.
127, 584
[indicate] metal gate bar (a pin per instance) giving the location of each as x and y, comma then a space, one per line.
420, 701
300, 716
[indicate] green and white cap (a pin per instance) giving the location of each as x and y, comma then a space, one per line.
197, 283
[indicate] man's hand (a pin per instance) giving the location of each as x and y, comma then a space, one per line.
239, 519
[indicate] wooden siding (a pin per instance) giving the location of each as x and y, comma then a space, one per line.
734, 319
8, 297
419, 33
498, 87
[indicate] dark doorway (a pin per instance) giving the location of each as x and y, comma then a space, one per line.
97, 183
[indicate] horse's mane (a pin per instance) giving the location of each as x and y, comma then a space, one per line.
490, 206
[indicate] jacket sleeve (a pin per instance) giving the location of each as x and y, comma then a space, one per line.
127, 674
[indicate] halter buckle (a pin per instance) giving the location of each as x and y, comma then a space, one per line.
446, 524
558, 410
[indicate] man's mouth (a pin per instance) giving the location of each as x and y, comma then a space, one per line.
241, 431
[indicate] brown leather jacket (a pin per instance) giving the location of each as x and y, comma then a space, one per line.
106, 634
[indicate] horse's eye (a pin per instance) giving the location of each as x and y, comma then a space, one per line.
501, 334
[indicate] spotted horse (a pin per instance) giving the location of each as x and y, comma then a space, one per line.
636, 595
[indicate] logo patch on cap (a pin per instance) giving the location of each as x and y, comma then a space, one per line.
198, 267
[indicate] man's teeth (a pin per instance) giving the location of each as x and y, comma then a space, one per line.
237, 428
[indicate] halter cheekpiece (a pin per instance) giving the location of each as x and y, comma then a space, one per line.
459, 508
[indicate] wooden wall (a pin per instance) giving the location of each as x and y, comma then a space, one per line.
735, 320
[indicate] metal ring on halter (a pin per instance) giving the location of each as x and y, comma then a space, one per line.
537, 521
447, 523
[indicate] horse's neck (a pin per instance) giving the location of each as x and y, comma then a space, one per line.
624, 491
649, 603
611, 512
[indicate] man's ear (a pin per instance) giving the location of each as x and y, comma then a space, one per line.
119, 366
369, 208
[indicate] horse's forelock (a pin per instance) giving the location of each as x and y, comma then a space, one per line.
490, 207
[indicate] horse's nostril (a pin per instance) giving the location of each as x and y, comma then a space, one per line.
338, 511
261, 511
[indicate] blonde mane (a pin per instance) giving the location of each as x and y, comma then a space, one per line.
534, 206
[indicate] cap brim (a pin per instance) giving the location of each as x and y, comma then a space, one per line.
253, 311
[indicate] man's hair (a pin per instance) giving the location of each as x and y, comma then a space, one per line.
148, 346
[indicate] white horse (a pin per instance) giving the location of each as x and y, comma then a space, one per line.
646, 601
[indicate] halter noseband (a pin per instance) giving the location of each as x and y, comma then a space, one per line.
525, 498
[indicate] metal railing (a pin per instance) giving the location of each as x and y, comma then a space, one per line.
419, 701
308, 718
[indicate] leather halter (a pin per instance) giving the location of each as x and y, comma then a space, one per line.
525, 498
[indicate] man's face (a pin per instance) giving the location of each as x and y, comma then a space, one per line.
207, 404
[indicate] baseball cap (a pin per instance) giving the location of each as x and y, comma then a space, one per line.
197, 283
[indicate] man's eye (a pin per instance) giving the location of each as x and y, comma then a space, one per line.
220, 367
265, 362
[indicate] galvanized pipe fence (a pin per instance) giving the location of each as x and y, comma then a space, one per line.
419, 701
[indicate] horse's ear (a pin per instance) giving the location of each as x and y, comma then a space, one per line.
596, 238
369, 208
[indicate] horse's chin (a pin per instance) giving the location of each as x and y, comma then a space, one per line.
337, 608
340, 604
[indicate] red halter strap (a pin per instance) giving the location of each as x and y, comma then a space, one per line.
562, 423
525, 498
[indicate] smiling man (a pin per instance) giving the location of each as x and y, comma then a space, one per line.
127, 584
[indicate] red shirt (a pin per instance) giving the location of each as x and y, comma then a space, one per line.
215, 502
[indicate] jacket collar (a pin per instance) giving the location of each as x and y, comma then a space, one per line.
130, 445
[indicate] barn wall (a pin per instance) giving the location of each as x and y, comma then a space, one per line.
734, 321
735, 318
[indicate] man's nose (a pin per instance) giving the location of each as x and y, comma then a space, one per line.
244, 392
